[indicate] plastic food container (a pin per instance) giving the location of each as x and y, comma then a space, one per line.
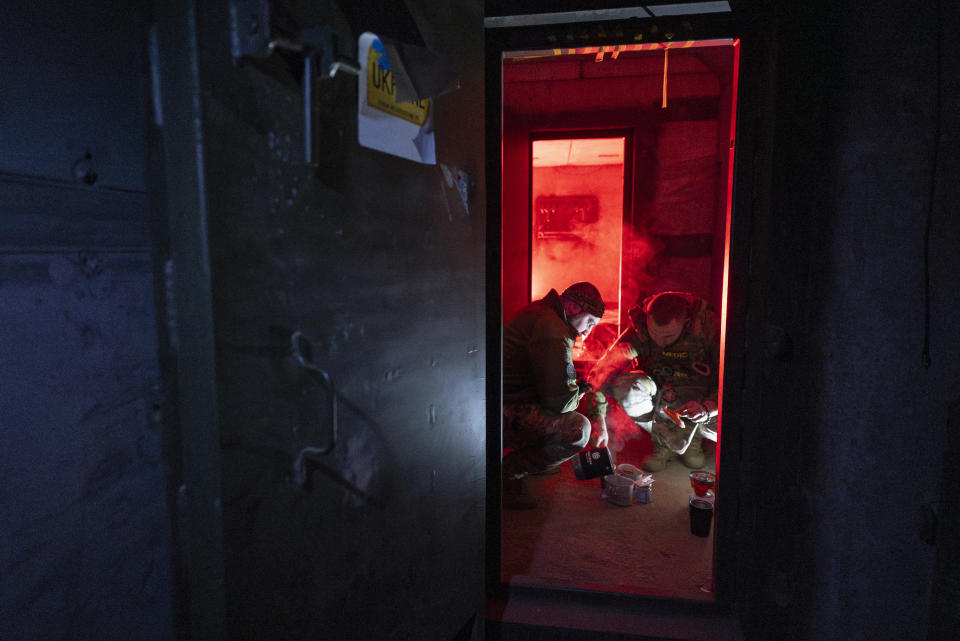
618, 489
644, 493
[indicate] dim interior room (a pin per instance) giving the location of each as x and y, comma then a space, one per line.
616, 169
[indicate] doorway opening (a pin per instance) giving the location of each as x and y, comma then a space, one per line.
617, 168
577, 211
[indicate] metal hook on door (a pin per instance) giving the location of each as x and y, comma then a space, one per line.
260, 27
300, 344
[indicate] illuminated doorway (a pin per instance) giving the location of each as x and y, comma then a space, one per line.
577, 216
675, 106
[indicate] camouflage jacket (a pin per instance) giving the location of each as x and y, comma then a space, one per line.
538, 357
685, 370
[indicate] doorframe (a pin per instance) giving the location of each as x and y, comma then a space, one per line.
750, 193
178, 204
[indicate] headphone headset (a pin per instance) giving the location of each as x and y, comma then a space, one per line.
638, 313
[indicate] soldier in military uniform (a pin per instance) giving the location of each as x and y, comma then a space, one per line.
663, 373
540, 389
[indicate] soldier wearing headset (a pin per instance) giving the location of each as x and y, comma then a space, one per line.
663, 373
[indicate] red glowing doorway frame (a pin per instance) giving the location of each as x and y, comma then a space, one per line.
728, 215
723, 210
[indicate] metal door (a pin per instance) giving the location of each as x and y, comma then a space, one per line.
325, 323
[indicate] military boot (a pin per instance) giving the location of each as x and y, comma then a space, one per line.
550, 471
658, 459
516, 496
693, 457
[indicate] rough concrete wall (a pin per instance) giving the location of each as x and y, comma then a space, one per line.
843, 444
85, 550
86, 545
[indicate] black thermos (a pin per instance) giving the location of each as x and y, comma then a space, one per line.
589, 464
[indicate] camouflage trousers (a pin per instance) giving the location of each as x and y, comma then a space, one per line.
540, 440
637, 394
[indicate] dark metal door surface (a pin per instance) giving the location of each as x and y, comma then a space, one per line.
326, 332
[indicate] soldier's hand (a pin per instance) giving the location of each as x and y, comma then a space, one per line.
598, 435
695, 412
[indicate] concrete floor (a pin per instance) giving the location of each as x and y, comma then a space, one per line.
577, 540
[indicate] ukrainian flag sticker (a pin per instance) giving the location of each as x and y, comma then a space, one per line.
382, 90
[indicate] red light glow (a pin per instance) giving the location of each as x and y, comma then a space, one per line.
577, 217
566, 166
617, 168
724, 302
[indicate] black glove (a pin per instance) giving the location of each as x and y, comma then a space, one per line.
584, 387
